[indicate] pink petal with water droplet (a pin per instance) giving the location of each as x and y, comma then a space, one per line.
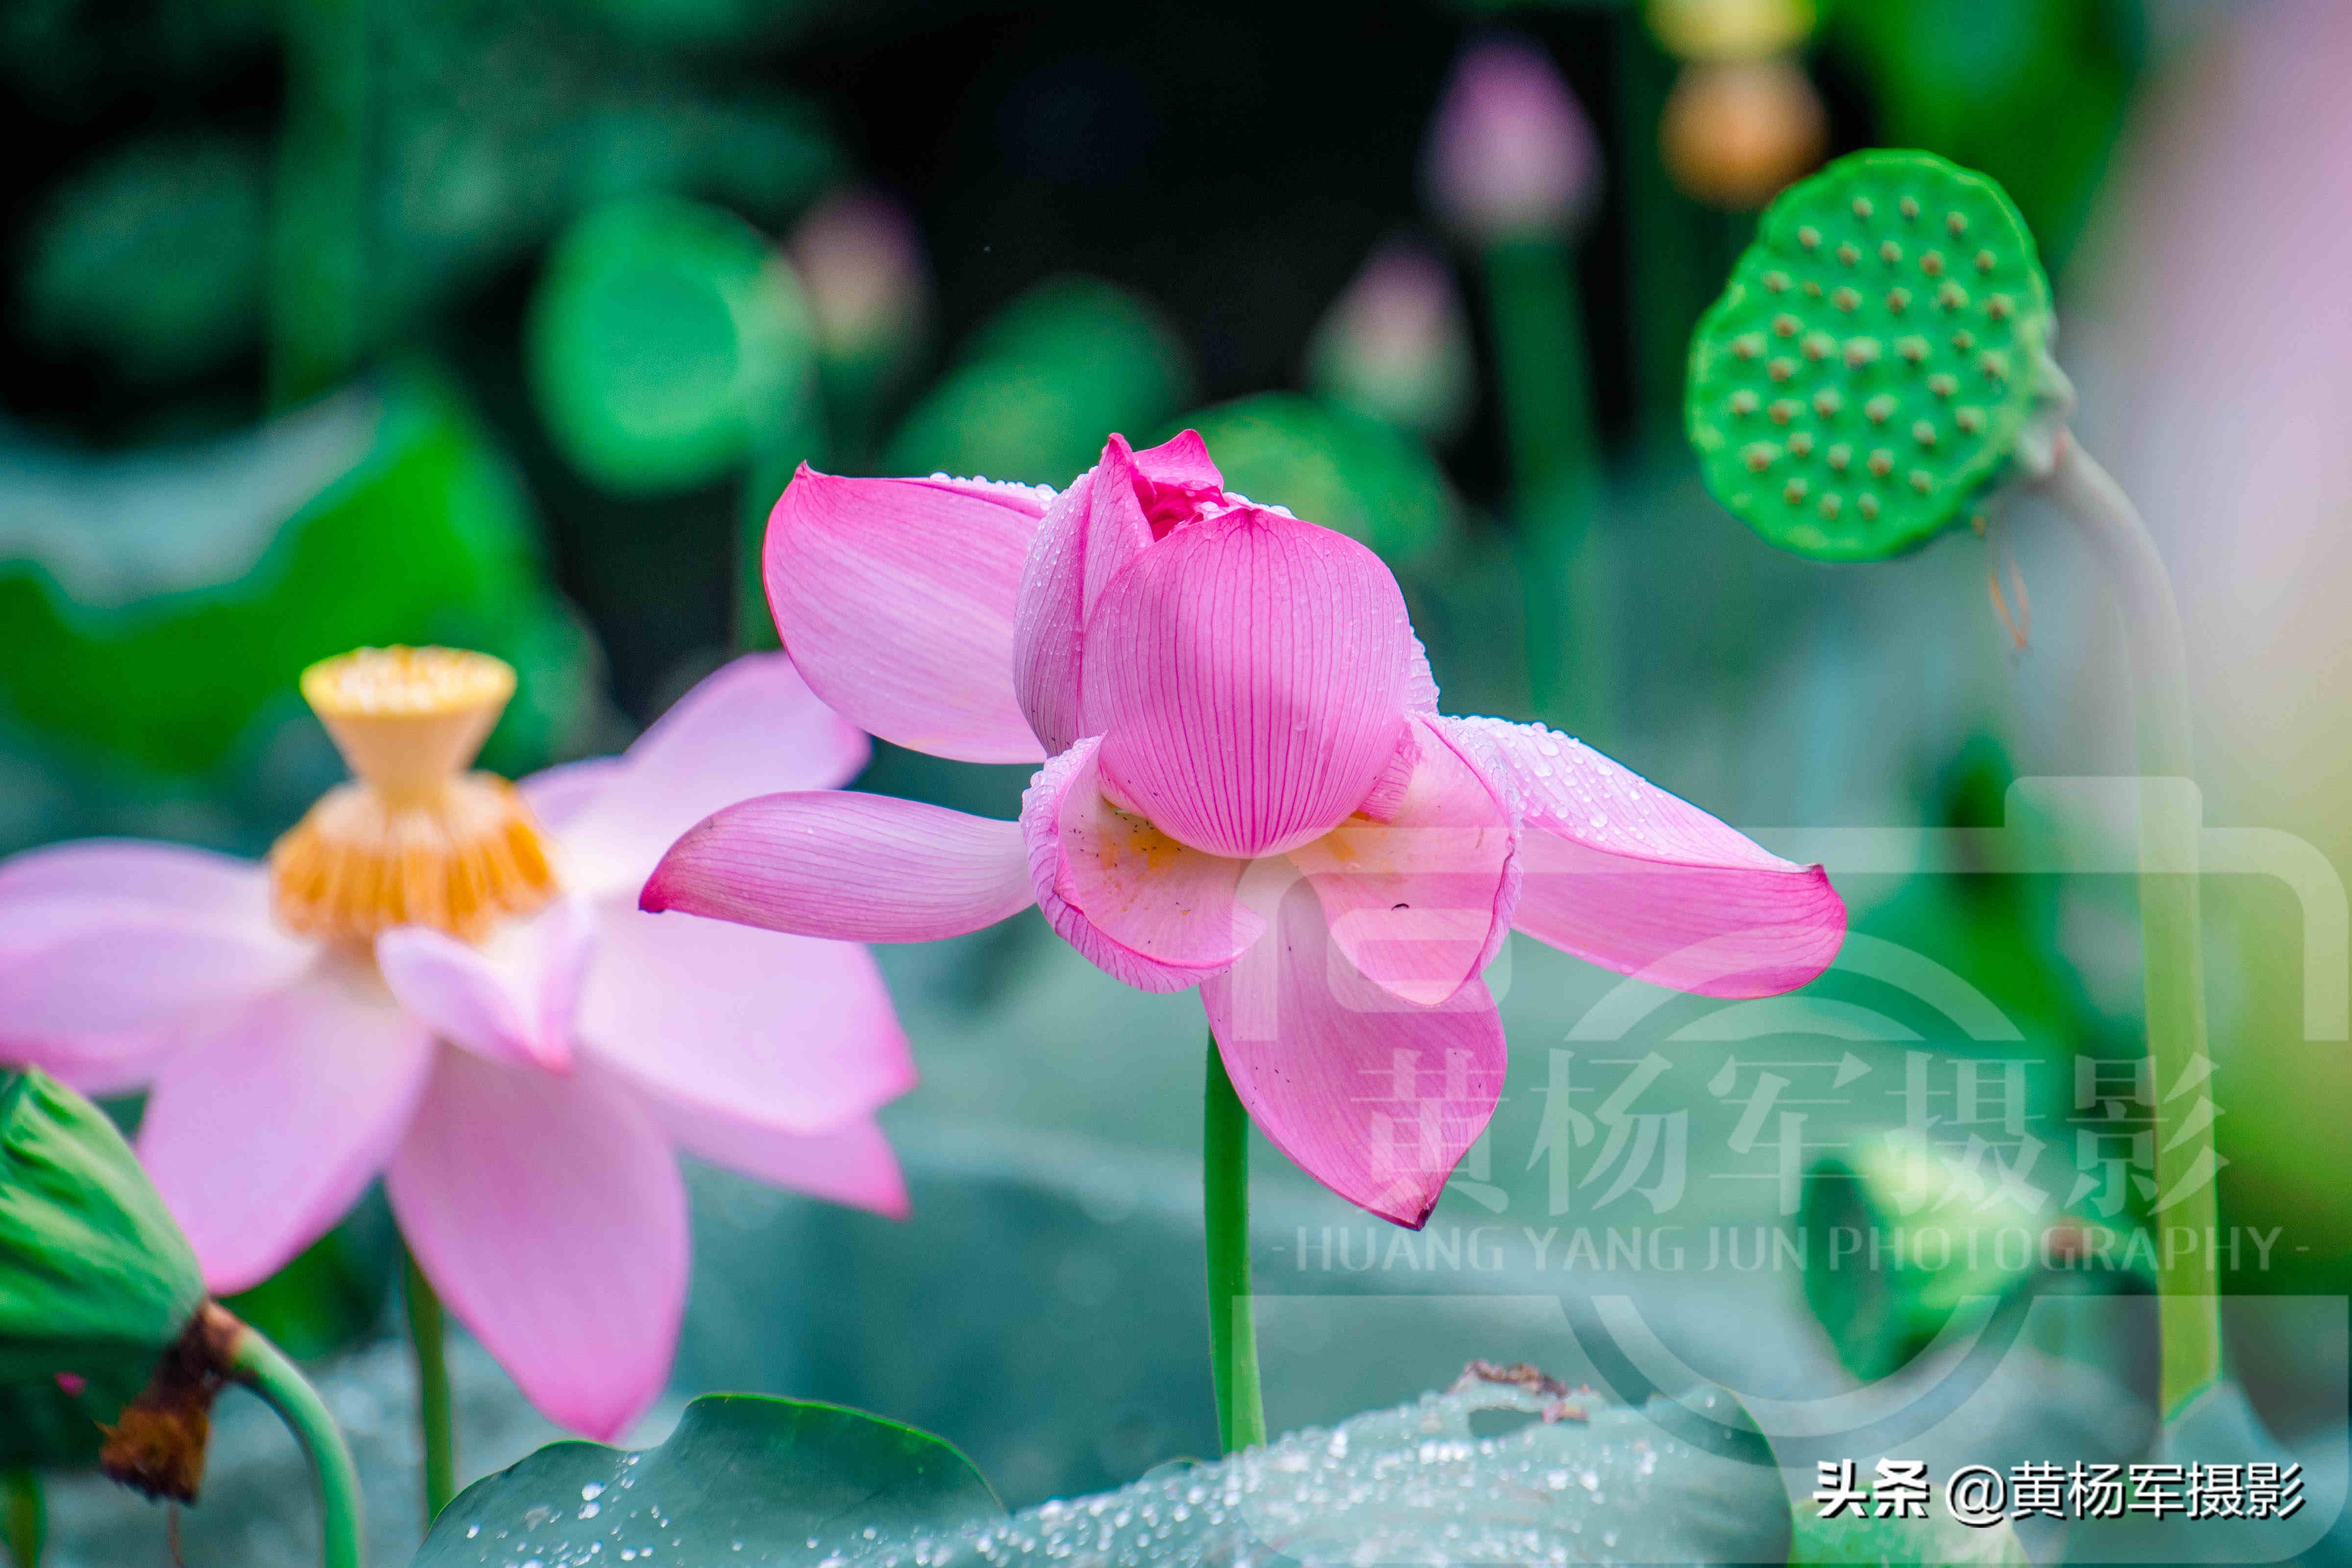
1635, 879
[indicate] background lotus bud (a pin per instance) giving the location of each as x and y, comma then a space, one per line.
1509, 150
861, 262
1730, 30
1397, 345
92, 1270
1735, 131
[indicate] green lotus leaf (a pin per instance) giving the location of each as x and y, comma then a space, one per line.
153, 257
1875, 362
664, 336
1343, 470
744, 1478
92, 1270
1038, 388
160, 606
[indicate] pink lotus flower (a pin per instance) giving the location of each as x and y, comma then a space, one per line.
1248, 789
524, 1097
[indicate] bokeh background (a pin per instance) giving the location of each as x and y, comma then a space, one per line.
501, 324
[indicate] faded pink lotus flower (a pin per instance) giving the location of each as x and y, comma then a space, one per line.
1248, 788
1397, 343
1509, 150
301, 1027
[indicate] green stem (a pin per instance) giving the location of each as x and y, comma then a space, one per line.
1232, 1316
1545, 383
1667, 264
256, 1363
2172, 954
319, 218
24, 1516
427, 1337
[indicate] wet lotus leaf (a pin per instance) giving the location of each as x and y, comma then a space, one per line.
160, 606
1038, 387
1345, 470
664, 336
1879, 358
744, 1478
1475, 1475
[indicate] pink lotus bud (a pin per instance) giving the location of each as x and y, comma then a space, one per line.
1397, 345
861, 261
1510, 152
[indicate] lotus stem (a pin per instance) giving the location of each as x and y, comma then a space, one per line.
24, 1516
428, 1338
255, 1362
2172, 953
1541, 361
1233, 1315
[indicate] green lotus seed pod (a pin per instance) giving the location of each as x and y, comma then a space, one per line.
92, 1270
1878, 360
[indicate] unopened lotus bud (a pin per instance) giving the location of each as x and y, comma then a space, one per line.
1510, 152
861, 263
1730, 30
93, 1273
1397, 343
1735, 131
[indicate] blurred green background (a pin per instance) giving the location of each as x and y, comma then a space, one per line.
501, 324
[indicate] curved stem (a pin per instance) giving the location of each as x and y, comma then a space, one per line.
2173, 952
256, 1363
24, 1516
1232, 1316
427, 1340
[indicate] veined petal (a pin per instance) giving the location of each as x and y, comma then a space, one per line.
1376, 1098
511, 1000
1091, 529
752, 728
790, 1032
550, 1213
852, 1164
1105, 519
1141, 907
261, 1133
895, 599
855, 868
1420, 902
1629, 876
1248, 674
